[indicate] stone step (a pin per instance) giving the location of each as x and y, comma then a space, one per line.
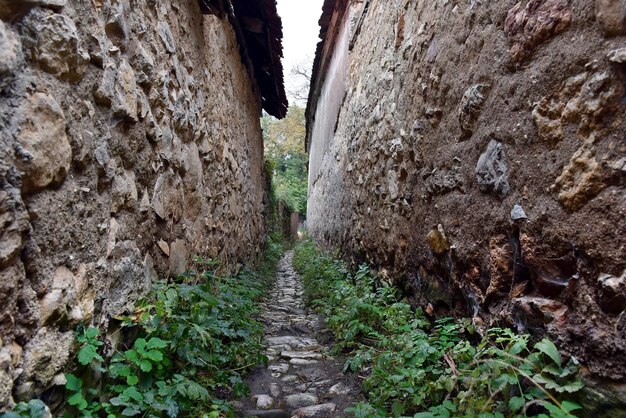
339, 389
315, 411
308, 355
295, 378
302, 362
300, 400
279, 368
270, 413
293, 341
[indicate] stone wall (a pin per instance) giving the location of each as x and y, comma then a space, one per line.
479, 160
129, 142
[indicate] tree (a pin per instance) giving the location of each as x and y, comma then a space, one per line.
284, 146
300, 82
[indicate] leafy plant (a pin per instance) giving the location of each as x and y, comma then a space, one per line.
439, 369
88, 353
195, 341
33, 409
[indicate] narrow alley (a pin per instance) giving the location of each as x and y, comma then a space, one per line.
313, 208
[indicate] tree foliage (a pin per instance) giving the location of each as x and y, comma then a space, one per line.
284, 148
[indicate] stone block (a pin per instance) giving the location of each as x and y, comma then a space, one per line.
492, 170
42, 135
55, 45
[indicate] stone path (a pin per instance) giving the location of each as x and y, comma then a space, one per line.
302, 378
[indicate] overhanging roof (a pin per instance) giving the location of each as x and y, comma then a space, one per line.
259, 32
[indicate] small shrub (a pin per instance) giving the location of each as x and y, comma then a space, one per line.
196, 340
418, 368
33, 409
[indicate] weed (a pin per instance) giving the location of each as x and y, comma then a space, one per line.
33, 409
196, 340
418, 368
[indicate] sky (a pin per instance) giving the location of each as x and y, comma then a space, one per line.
300, 35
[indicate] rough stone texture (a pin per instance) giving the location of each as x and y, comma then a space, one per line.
529, 23
263, 402
492, 170
6, 379
44, 148
470, 107
129, 142
300, 400
54, 44
417, 144
15, 8
438, 240
44, 357
612, 295
612, 15
10, 52
315, 411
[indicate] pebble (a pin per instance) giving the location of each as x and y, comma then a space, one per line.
322, 383
263, 401
294, 342
300, 400
301, 355
618, 56
302, 362
518, 213
280, 368
306, 387
339, 389
275, 390
315, 410
272, 413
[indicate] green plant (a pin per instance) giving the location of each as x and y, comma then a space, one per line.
195, 341
287, 159
441, 369
33, 409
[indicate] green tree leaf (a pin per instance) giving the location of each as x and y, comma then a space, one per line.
140, 344
130, 411
397, 408
571, 387
570, 406
92, 332
117, 401
132, 393
131, 355
119, 370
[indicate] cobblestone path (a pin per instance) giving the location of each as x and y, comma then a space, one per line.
302, 378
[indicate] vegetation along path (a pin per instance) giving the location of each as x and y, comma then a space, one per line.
301, 379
